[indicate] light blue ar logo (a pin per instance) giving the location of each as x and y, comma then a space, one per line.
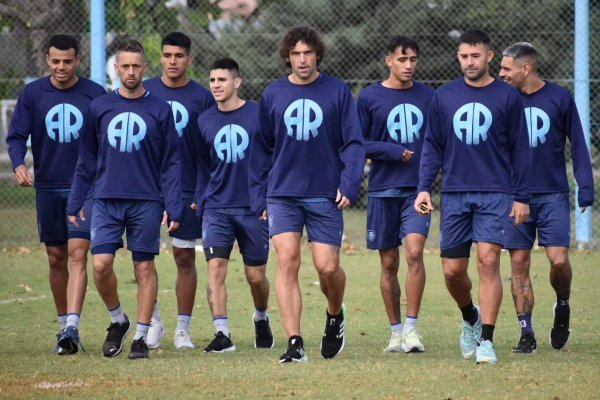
473, 120
538, 125
63, 122
305, 116
407, 120
129, 128
180, 115
230, 143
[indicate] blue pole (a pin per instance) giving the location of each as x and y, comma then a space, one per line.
97, 42
583, 222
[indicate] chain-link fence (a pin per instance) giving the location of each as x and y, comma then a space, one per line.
355, 32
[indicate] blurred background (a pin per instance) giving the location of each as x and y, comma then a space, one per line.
355, 33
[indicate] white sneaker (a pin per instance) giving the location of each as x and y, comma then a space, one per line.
412, 342
395, 345
155, 333
182, 340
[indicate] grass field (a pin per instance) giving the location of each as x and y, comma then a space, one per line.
29, 369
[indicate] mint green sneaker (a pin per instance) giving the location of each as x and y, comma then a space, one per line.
470, 336
412, 342
485, 353
395, 345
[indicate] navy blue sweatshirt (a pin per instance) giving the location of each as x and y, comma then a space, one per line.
54, 119
130, 147
552, 117
187, 102
478, 136
309, 142
393, 120
225, 138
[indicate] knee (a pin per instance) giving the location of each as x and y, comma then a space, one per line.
255, 278
560, 263
185, 261
78, 257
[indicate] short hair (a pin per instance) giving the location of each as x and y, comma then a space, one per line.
63, 42
131, 46
404, 43
301, 34
520, 50
178, 39
474, 37
227, 63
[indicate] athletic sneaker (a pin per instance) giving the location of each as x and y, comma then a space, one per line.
470, 336
412, 342
182, 340
263, 335
527, 344
485, 353
333, 340
155, 333
295, 351
139, 349
57, 349
395, 345
113, 344
68, 341
220, 344
560, 333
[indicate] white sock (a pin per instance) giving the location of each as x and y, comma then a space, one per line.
260, 315
73, 320
183, 322
62, 321
141, 331
117, 315
156, 312
396, 328
222, 325
410, 323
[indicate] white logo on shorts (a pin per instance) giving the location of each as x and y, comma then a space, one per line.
371, 235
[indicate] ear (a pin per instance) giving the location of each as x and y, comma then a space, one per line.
388, 61
490, 55
527, 69
237, 82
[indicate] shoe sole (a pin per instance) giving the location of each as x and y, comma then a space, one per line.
227, 350
394, 349
486, 360
550, 335
120, 349
414, 349
294, 360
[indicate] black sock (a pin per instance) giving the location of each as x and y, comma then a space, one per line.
562, 312
487, 332
469, 313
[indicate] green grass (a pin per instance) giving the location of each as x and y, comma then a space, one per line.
28, 369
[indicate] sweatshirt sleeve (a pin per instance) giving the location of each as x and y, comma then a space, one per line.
260, 159
85, 170
433, 148
582, 165
352, 152
19, 131
203, 168
518, 143
170, 170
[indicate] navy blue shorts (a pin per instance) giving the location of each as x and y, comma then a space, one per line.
389, 219
323, 219
550, 216
139, 219
222, 226
190, 226
473, 216
54, 228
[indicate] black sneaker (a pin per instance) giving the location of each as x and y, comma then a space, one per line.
220, 344
57, 349
526, 345
560, 333
264, 336
333, 340
295, 351
68, 340
113, 344
139, 349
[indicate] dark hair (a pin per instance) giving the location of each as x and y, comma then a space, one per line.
227, 63
131, 46
301, 34
520, 50
178, 39
474, 37
404, 43
63, 42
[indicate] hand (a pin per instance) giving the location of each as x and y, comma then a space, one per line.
194, 206
73, 219
23, 177
264, 215
164, 218
173, 226
582, 209
342, 200
423, 197
407, 155
520, 212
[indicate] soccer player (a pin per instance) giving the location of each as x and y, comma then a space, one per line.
187, 99
130, 146
307, 162
227, 132
393, 119
51, 110
476, 133
552, 118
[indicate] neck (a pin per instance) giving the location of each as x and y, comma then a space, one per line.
175, 83
481, 82
534, 84
394, 83
132, 93
298, 81
64, 85
231, 104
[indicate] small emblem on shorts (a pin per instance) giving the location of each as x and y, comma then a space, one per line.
92, 234
270, 221
371, 235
